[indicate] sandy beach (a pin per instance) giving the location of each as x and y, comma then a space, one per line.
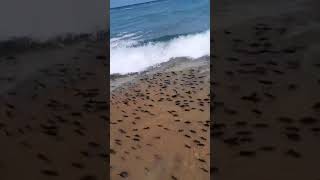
53, 116
266, 90
159, 122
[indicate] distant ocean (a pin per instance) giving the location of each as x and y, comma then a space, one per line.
145, 33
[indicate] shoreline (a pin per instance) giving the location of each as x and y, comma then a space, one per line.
117, 80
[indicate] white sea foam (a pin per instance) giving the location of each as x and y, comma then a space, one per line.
125, 57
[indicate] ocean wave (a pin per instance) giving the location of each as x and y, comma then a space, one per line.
129, 6
125, 40
126, 57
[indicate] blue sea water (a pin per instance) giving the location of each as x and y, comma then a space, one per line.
144, 33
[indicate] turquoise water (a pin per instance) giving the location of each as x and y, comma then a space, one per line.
147, 33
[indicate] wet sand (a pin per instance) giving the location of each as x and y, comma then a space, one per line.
266, 90
160, 123
53, 115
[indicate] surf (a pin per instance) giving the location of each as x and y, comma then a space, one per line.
127, 56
